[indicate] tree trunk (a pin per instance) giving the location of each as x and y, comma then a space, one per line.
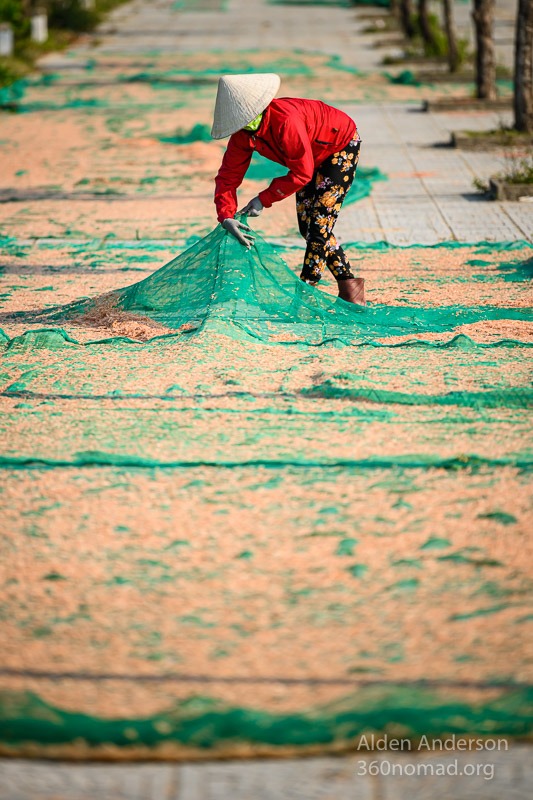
423, 21
406, 16
523, 67
451, 38
483, 16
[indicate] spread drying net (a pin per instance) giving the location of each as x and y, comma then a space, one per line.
219, 286
188, 499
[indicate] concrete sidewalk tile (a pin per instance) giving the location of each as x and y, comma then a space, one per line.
522, 216
485, 775
480, 220
480, 775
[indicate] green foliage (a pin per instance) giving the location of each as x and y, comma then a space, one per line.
464, 54
63, 15
518, 168
11, 70
438, 44
437, 47
12, 11
65, 18
71, 15
481, 186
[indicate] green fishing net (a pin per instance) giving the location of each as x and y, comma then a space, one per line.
219, 286
170, 486
207, 724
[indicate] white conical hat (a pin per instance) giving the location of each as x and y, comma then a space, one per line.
240, 98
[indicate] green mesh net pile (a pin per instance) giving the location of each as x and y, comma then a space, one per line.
218, 286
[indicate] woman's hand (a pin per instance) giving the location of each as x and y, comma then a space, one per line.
253, 209
235, 227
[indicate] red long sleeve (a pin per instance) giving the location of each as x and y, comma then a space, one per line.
231, 173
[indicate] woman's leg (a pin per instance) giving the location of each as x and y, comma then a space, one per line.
331, 183
304, 203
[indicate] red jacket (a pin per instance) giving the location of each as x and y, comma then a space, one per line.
300, 134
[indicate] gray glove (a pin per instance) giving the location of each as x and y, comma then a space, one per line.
235, 227
253, 208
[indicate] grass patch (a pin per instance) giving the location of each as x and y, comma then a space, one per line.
517, 170
436, 49
502, 133
12, 70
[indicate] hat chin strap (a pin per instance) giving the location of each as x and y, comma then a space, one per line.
254, 124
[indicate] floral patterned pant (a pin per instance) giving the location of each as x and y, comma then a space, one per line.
318, 205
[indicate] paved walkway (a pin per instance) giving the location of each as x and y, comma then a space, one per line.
495, 776
429, 196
